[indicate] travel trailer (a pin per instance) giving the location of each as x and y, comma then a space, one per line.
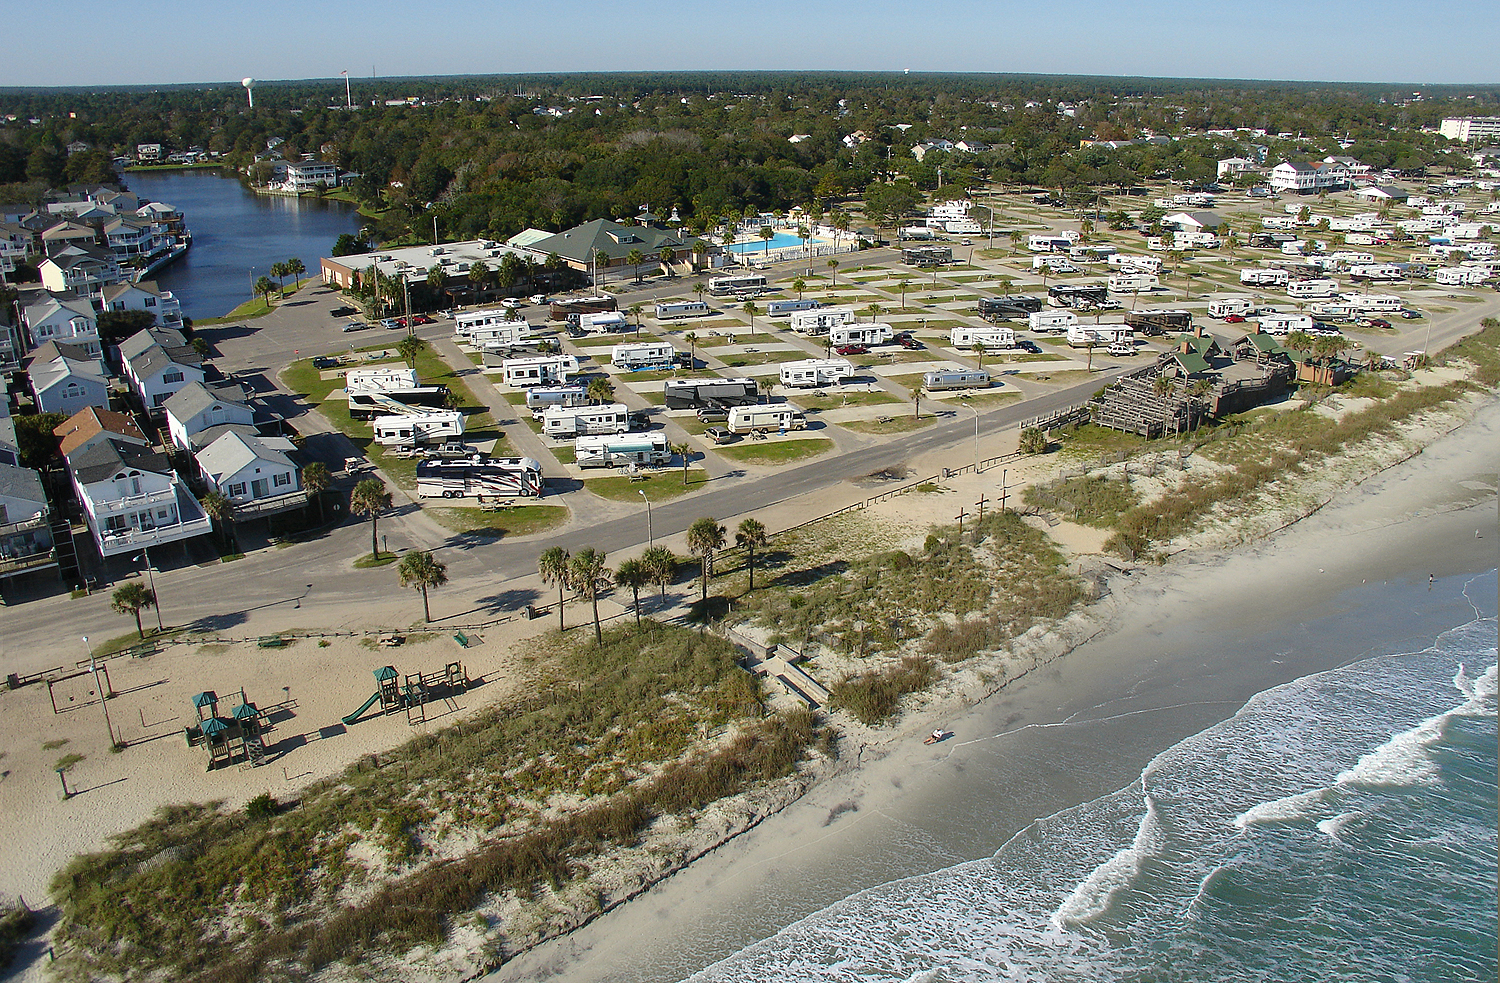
543, 370
1046, 322
680, 309
1132, 283
613, 450
539, 398
1225, 306
751, 419
813, 372
397, 402
1284, 324
382, 379
576, 421
415, 430
967, 337
1306, 289
465, 322
1084, 335
480, 477
603, 321
955, 379
861, 333
785, 308
646, 355
819, 321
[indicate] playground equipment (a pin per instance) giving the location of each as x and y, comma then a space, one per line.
241, 735
414, 693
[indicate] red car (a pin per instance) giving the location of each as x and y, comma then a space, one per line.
851, 350
421, 319
1233, 319
1378, 322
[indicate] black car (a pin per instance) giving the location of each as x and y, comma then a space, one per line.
344, 311
1028, 346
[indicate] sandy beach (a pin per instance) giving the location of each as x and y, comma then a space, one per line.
1189, 644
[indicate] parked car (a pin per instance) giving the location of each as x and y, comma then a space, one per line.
851, 350
391, 323
345, 311
1233, 319
1121, 349
538, 298
326, 361
1378, 322
712, 414
1409, 314
356, 326
453, 448
420, 319
911, 343
1027, 345
720, 435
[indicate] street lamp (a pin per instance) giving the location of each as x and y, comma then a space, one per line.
650, 538
975, 409
151, 577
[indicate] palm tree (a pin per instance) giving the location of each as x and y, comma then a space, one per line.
833, 271
668, 256
799, 285
601, 391
601, 260
750, 535
751, 310
478, 274
979, 353
129, 599
635, 312
410, 347
263, 288
699, 249
1015, 241
635, 258
418, 569
904, 285
632, 574
1006, 285
588, 575
686, 450
370, 498
220, 508
315, 481
699, 291
692, 339
661, 567
767, 233
279, 271
553, 566
705, 537
295, 269
916, 396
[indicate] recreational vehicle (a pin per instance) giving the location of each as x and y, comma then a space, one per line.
1003, 308
1378, 272
646, 355
861, 333
1078, 295
397, 402
955, 379
1351, 258
1132, 283
1138, 264
1045, 322
1372, 303
379, 380
1460, 276
1084, 335
1225, 306
566, 307
500, 334
785, 308
1264, 278
539, 398
1054, 263
576, 421
966, 337
686, 394
1307, 289
683, 308
927, 256
813, 372
465, 322
729, 286
613, 450
820, 321
1051, 243
1194, 240
603, 321
543, 370
1283, 324
410, 431
480, 477
750, 419
916, 232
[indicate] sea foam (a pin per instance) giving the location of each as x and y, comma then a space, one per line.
1093, 897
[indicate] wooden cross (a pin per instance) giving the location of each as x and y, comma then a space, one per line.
980, 503
961, 514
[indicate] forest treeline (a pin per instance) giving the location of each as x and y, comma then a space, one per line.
489, 156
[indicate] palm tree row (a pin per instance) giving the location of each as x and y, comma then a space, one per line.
586, 574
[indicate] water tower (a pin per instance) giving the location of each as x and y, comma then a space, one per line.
249, 85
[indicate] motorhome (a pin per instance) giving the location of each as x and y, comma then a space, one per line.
820, 321
785, 308
575, 421
1283, 324
955, 379
1084, 335
813, 372
1092, 254
927, 255
729, 286
465, 322
1132, 283
1006, 308
1046, 322
1054, 263
566, 307
967, 337
1139, 264
682, 308
1078, 295
500, 334
861, 333
411, 431
1159, 322
752, 419
1223, 307
1308, 289
543, 370
603, 321
480, 477
613, 450
397, 402
917, 232
1264, 278
382, 379
646, 355
1052, 242
684, 394
539, 398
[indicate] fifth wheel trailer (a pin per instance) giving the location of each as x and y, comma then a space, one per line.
381, 379
398, 402
820, 321
813, 372
480, 477
966, 337
411, 431
861, 333
544, 370
1083, 335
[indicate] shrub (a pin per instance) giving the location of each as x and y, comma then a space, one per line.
261, 807
1033, 441
872, 697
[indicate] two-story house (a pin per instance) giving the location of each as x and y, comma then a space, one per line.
305, 176
158, 362
25, 526
145, 295
83, 269
65, 319
132, 498
66, 378
130, 238
198, 406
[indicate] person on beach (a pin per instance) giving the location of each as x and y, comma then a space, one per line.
937, 735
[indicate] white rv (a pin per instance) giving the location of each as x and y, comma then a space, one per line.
682, 308
916, 232
1459, 276
1351, 258
1083, 335
500, 334
1369, 303
1132, 283
410, 431
605, 321
820, 321
813, 372
646, 355
613, 450
1194, 240
576, 421
1385, 272
543, 370
861, 333
1045, 322
386, 378
539, 398
1225, 306
967, 337
1052, 242
1264, 278
465, 322
1140, 264
748, 419
1054, 263
1308, 289
1283, 324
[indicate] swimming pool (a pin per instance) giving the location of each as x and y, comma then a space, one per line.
780, 240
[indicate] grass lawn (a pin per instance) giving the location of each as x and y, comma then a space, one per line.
565, 454
890, 424
649, 375
658, 485
760, 358
741, 338
902, 355
929, 323
836, 400
368, 560
1031, 357
986, 398
600, 340
655, 397
777, 452
514, 520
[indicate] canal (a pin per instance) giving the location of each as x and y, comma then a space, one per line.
237, 235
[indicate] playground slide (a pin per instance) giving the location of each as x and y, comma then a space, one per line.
349, 720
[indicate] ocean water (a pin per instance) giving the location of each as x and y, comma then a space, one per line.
1339, 827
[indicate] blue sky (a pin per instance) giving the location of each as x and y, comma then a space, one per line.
154, 41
